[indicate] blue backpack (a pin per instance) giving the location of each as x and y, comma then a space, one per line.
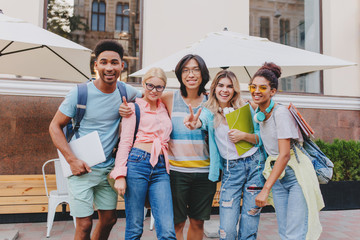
322, 164
73, 125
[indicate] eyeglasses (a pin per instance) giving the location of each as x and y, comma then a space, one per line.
158, 88
253, 87
195, 71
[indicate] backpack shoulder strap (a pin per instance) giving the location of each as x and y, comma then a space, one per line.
137, 115
80, 106
121, 86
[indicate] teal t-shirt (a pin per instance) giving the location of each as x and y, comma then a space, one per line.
102, 115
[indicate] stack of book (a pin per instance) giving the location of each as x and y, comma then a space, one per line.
304, 126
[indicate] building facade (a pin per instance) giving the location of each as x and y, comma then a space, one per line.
111, 19
162, 27
33, 11
284, 22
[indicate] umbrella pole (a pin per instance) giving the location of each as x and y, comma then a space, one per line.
28, 49
67, 62
247, 72
22, 50
5, 47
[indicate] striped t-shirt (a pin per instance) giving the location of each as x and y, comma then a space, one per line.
188, 151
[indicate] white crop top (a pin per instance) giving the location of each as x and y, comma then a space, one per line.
226, 148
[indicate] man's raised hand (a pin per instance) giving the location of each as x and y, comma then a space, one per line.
192, 121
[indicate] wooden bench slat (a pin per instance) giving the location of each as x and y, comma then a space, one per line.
120, 205
37, 183
20, 200
26, 178
31, 200
40, 208
28, 191
25, 185
14, 185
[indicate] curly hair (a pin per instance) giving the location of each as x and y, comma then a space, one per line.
109, 45
271, 72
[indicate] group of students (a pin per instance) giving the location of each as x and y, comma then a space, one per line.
181, 148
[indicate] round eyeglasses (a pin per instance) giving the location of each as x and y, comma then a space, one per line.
150, 87
195, 71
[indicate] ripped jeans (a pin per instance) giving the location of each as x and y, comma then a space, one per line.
244, 177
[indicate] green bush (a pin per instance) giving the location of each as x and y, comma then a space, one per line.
346, 158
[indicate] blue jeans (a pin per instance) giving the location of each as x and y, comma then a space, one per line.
290, 206
142, 179
244, 177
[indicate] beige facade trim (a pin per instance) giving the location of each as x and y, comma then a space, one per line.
320, 102
55, 89
34, 88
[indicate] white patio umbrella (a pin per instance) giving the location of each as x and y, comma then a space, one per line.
244, 55
28, 50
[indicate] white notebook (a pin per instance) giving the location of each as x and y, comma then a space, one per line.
87, 148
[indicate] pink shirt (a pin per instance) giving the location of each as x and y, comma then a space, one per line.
154, 127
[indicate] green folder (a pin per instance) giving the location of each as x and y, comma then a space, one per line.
241, 119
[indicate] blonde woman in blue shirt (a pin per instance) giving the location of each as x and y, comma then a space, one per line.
240, 174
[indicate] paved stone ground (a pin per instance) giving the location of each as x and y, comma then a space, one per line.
337, 225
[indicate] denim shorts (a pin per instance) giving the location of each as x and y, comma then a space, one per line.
89, 190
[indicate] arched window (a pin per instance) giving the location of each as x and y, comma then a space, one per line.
98, 13
122, 17
265, 27
285, 31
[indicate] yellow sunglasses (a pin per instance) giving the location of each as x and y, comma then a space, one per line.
262, 88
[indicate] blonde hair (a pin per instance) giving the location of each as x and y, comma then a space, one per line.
155, 72
236, 101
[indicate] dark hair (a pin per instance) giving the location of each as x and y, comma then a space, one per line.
269, 71
108, 45
203, 68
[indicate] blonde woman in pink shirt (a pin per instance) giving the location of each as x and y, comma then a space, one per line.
142, 166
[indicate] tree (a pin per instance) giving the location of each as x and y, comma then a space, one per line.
60, 19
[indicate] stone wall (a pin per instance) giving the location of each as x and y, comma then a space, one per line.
25, 140
331, 124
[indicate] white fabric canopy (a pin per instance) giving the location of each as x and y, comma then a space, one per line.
244, 55
28, 50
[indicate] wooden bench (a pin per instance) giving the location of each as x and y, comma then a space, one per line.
26, 194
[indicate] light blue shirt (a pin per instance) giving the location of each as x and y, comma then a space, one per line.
102, 115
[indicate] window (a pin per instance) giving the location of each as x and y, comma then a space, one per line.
98, 13
291, 22
301, 35
265, 27
122, 17
284, 31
